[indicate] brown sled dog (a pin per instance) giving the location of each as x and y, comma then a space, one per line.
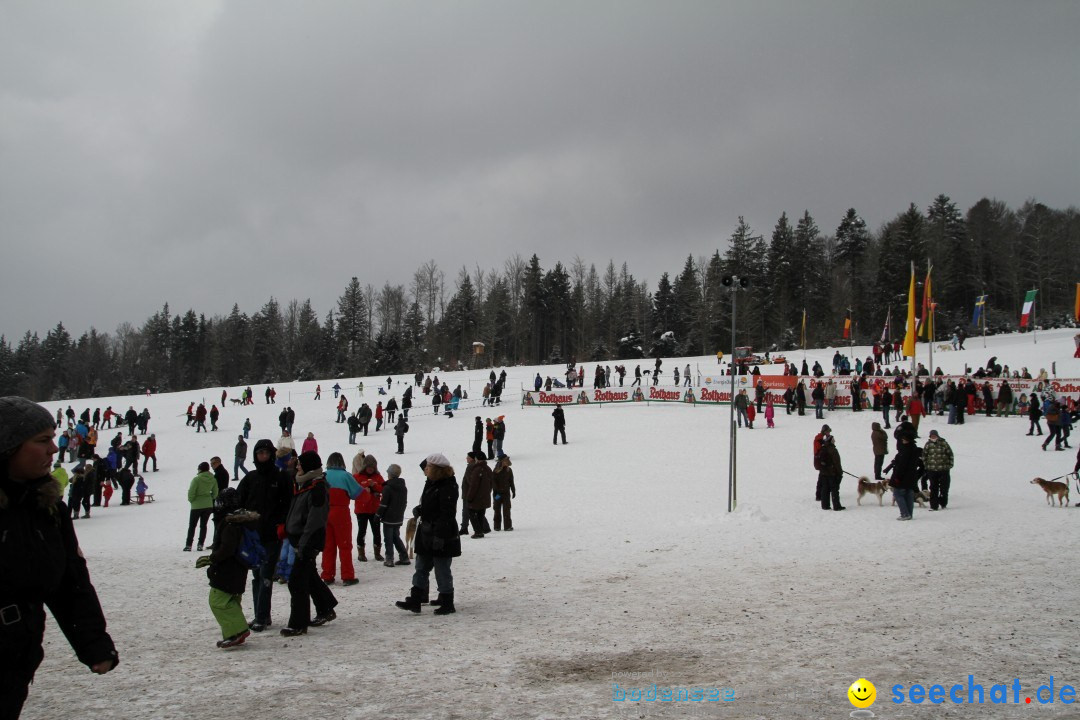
1053, 489
872, 488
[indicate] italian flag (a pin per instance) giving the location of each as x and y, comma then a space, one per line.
1029, 302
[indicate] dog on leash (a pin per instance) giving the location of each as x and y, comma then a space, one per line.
1053, 489
410, 536
872, 488
921, 498
236, 401
943, 347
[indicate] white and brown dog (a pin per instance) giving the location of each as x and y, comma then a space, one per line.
872, 488
921, 498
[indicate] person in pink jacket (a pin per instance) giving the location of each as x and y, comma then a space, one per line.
310, 444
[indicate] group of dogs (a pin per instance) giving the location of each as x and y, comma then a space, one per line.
1053, 490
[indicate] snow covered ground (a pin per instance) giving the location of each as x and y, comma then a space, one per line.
623, 560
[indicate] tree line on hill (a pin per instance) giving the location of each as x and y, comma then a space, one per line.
526, 314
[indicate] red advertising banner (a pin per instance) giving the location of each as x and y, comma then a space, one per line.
717, 390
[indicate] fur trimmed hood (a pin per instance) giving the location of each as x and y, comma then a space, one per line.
46, 490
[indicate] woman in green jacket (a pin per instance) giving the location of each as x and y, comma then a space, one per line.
202, 493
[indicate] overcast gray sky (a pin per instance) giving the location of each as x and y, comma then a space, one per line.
206, 153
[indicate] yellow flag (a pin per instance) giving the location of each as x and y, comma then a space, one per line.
909, 335
802, 338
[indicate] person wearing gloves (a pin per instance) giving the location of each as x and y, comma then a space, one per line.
266, 490
342, 488
391, 513
306, 531
437, 541
40, 560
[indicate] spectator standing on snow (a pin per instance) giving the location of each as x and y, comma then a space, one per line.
830, 473
478, 494
310, 444
400, 428
1034, 414
437, 541
879, 439
202, 492
500, 434
364, 416
342, 489
478, 435
905, 477
391, 514
221, 474
503, 490
560, 427
741, 403
149, 451
938, 460
266, 490
354, 427
489, 436
366, 473
305, 527
40, 556
226, 572
240, 455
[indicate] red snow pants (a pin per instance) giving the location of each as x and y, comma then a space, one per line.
339, 541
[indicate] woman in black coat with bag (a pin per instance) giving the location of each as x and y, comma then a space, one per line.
437, 541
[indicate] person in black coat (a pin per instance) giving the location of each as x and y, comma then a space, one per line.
391, 512
306, 529
905, 476
400, 429
478, 435
830, 473
266, 490
560, 425
437, 540
40, 560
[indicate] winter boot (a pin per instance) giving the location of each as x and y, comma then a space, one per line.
446, 604
361, 554
378, 554
388, 563
412, 603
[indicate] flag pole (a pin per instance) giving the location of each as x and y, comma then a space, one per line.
985, 309
930, 316
1035, 330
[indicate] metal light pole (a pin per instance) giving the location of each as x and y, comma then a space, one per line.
733, 282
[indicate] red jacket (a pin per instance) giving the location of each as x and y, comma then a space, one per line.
149, 446
368, 503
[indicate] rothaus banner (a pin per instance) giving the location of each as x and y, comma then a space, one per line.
716, 389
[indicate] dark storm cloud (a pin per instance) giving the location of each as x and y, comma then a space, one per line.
205, 154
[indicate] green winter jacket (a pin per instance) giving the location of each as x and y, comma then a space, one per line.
937, 455
63, 478
203, 491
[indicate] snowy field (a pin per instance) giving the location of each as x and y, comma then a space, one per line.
624, 560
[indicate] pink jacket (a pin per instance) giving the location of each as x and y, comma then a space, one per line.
310, 445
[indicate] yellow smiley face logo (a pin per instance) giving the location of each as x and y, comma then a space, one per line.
862, 693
